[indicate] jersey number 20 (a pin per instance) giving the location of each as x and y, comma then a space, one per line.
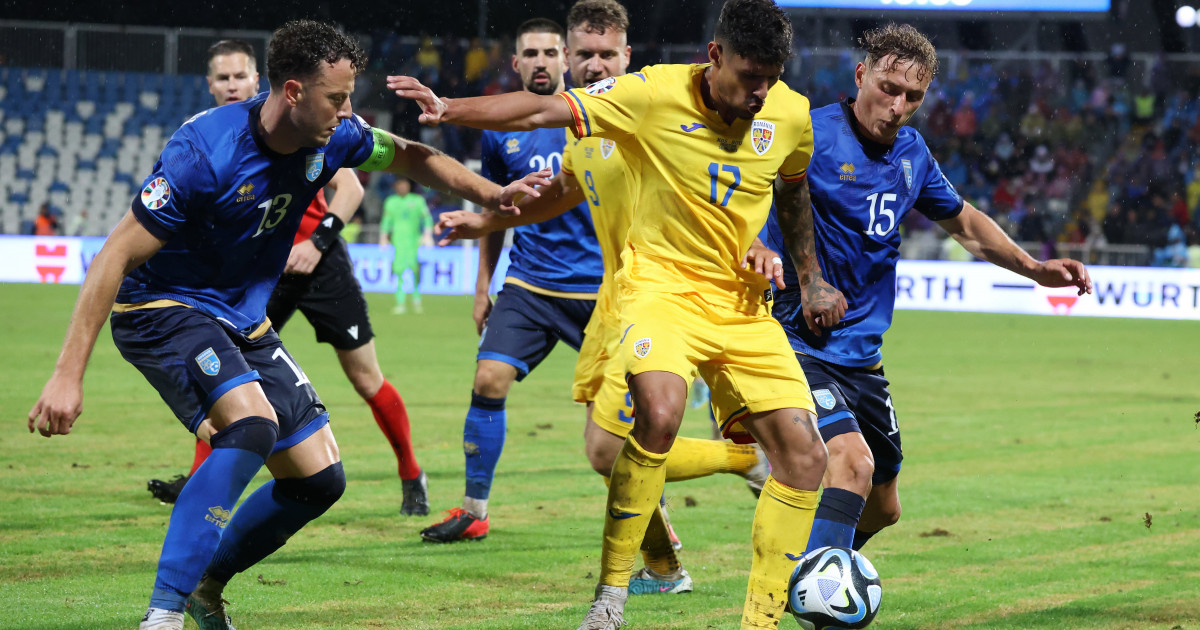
875, 225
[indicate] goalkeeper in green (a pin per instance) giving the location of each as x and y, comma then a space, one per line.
406, 224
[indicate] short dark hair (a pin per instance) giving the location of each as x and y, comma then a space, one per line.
538, 25
597, 16
298, 48
230, 47
756, 29
903, 41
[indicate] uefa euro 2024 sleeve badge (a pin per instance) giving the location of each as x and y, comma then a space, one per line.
313, 165
156, 194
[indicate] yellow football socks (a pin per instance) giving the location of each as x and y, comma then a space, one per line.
691, 458
633, 493
782, 523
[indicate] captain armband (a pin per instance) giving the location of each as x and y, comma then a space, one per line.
326, 232
381, 156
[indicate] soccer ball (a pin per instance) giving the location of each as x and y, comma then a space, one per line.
834, 587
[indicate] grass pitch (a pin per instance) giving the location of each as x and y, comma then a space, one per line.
1050, 482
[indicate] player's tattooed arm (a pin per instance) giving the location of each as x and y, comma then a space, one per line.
823, 305
515, 111
430, 167
61, 402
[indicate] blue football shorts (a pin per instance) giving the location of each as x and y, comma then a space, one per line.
192, 360
524, 326
856, 400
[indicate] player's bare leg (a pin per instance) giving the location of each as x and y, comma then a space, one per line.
784, 516
483, 442
361, 366
882, 510
308, 479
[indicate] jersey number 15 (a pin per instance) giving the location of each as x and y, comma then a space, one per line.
876, 222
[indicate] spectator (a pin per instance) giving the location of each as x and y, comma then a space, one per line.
46, 223
77, 223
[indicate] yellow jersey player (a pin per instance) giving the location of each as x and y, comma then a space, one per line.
594, 170
707, 142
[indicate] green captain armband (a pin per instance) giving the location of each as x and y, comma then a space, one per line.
382, 154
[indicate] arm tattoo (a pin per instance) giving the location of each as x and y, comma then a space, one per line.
794, 205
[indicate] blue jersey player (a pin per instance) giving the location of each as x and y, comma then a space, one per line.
186, 275
549, 292
868, 171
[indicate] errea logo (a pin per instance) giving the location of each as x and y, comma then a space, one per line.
218, 516
847, 172
244, 191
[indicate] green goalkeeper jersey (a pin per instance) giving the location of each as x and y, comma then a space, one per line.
405, 219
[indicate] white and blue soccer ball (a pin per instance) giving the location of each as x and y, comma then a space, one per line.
834, 587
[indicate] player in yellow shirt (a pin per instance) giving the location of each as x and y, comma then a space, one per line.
707, 143
594, 169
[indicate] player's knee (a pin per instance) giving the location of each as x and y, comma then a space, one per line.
254, 434
600, 457
852, 469
320, 490
493, 381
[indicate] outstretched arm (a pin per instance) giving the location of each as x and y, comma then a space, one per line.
61, 401
437, 170
515, 111
562, 194
980, 235
824, 305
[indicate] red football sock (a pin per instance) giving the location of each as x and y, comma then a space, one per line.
202, 451
392, 418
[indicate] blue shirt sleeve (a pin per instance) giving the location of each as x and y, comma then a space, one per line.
493, 168
182, 181
938, 199
354, 141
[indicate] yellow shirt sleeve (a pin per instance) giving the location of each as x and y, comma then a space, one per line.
568, 163
611, 108
795, 166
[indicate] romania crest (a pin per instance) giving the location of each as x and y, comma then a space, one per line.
641, 347
606, 147
313, 165
762, 133
156, 194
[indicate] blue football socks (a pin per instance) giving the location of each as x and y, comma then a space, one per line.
837, 515
270, 516
205, 506
483, 441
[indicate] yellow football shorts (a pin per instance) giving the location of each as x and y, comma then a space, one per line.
744, 357
599, 345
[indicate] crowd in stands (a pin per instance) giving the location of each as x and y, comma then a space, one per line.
1065, 155
1070, 155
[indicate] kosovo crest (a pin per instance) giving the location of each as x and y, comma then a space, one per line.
908, 176
606, 147
824, 398
209, 362
762, 133
642, 347
313, 165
